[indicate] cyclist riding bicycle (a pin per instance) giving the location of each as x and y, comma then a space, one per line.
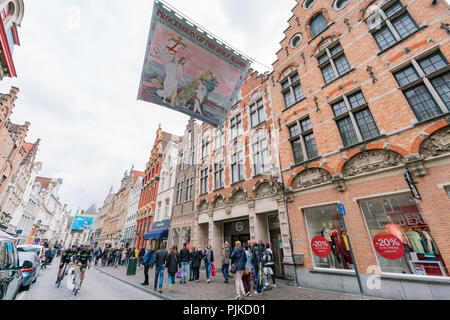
66, 258
83, 258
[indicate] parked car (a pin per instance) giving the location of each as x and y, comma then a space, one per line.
10, 275
29, 267
40, 250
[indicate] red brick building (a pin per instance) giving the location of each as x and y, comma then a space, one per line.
360, 95
237, 196
147, 202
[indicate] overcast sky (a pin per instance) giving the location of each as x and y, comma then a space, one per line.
79, 66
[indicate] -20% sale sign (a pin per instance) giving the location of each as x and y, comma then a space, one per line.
388, 246
320, 247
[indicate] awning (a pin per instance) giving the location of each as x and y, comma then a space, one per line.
157, 234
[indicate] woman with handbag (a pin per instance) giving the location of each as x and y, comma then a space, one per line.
238, 261
172, 265
247, 272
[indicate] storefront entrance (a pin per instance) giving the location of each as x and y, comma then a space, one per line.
236, 231
276, 244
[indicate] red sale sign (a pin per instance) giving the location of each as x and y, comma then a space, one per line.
320, 246
388, 246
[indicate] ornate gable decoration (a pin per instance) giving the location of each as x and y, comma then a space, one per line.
371, 160
255, 97
203, 205
238, 196
263, 189
437, 144
311, 177
324, 43
218, 202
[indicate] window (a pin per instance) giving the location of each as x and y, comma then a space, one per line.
182, 160
166, 209
236, 127
179, 192
333, 63
186, 236
447, 190
296, 40
219, 174
340, 4
302, 141
204, 181
175, 236
205, 146
308, 4
318, 25
257, 113
191, 156
396, 221
328, 239
354, 119
391, 25
189, 188
237, 165
219, 139
261, 156
292, 90
426, 85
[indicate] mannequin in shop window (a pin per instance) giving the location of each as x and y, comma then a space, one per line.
397, 231
326, 233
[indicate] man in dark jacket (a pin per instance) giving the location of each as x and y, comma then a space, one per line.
160, 261
183, 258
257, 262
148, 260
141, 256
226, 252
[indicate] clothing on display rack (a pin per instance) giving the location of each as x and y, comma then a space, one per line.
415, 241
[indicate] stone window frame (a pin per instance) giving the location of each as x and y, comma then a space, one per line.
239, 161
257, 140
301, 135
257, 105
331, 60
237, 127
219, 168
179, 192
424, 79
287, 85
219, 136
350, 113
205, 145
342, 8
204, 175
310, 6
387, 22
189, 189
293, 38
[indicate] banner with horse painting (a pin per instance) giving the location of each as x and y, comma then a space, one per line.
187, 70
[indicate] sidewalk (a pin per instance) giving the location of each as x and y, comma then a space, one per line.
218, 290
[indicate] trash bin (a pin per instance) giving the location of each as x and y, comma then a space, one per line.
132, 264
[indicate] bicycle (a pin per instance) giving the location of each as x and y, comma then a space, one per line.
77, 279
61, 277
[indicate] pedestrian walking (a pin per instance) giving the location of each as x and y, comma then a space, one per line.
172, 265
191, 257
196, 262
257, 261
184, 257
209, 260
124, 257
117, 255
247, 272
148, 260
226, 261
160, 261
269, 262
141, 256
238, 260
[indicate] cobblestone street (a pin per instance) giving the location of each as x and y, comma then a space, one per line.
218, 290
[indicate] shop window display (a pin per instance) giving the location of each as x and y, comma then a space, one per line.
329, 242
401, 236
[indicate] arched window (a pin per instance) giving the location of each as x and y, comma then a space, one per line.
318, 25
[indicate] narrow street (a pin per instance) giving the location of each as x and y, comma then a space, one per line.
96, 286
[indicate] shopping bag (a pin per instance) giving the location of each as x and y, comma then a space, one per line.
213, 270
179, 274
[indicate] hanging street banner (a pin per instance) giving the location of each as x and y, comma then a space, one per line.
188, 70
83, 222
